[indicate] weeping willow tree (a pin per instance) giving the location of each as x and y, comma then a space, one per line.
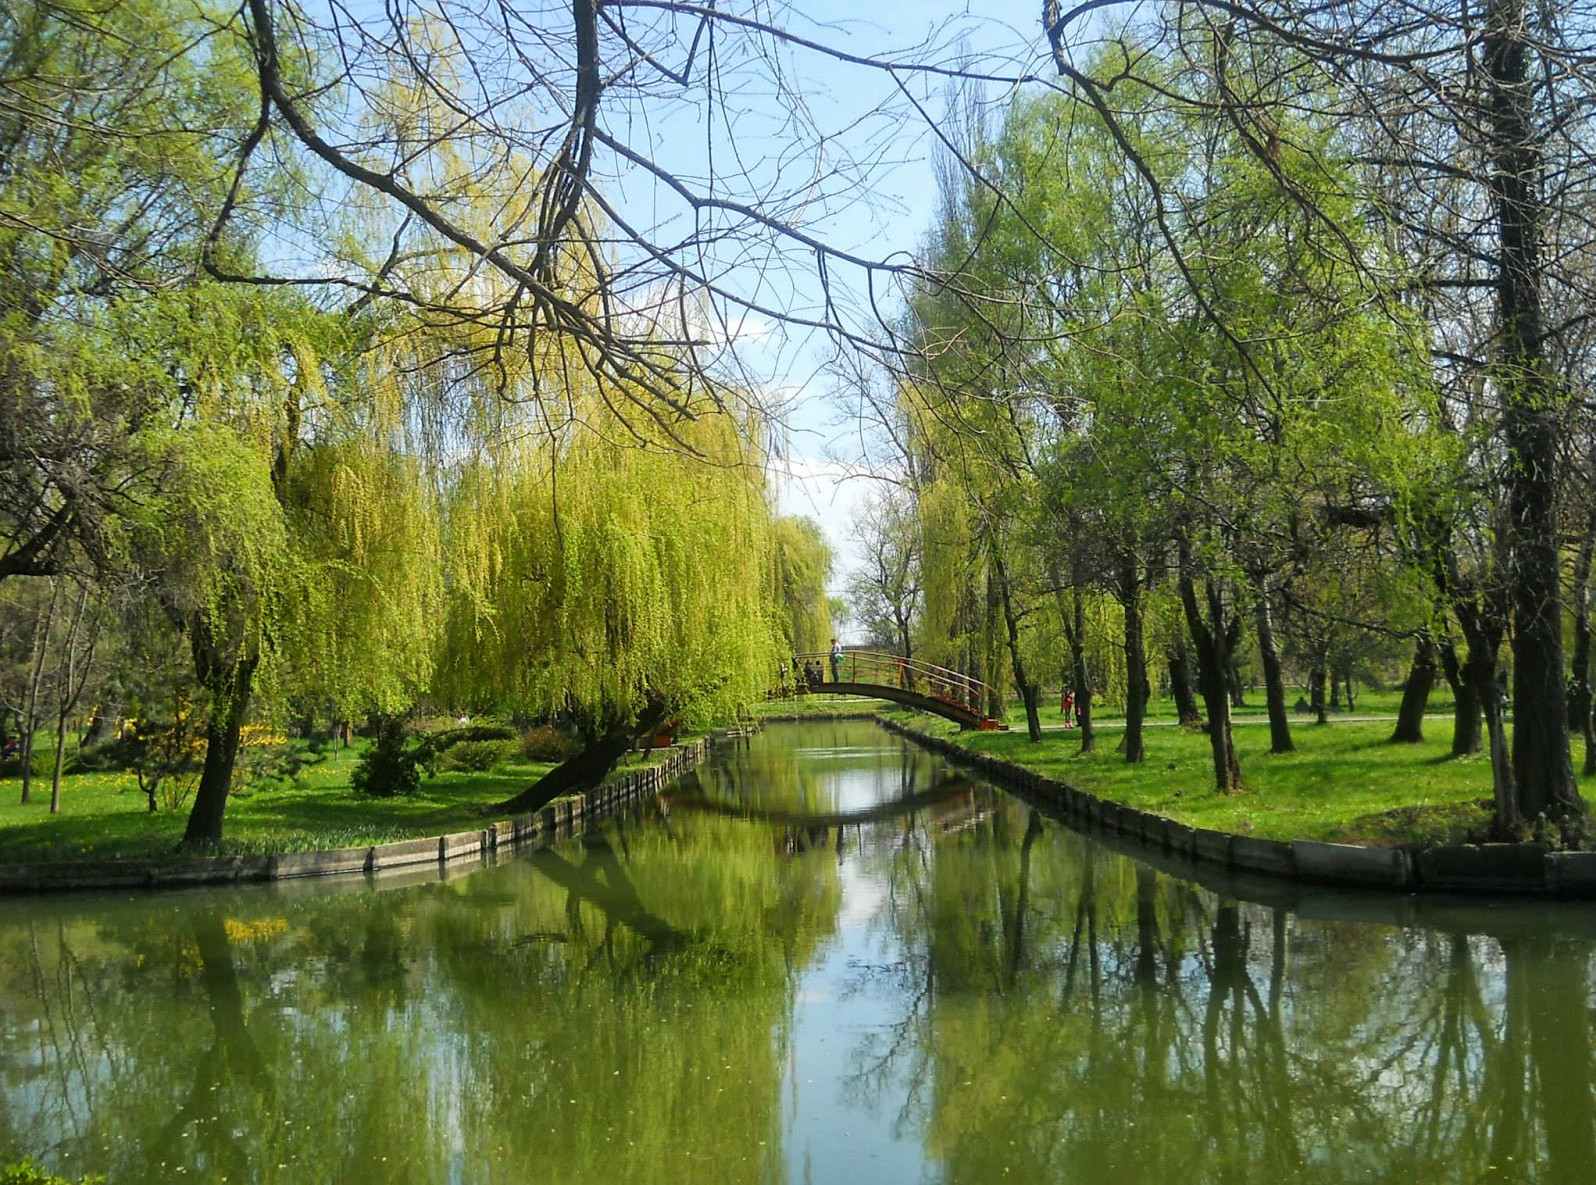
294, 538
618, 578
802, 562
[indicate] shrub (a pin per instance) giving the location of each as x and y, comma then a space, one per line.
388, 767
25, 1172
547, 743
432, 751
474, 757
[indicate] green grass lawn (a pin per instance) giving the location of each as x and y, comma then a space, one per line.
1162, 708
1346, 783
105, 816
822, 705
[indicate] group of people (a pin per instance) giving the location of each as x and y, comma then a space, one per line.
814, 674
1069, 707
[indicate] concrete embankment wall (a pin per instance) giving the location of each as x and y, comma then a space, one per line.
461, 849
1506, 868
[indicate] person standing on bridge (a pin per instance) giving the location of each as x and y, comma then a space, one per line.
836, 661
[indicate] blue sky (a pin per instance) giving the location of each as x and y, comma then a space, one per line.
846, 152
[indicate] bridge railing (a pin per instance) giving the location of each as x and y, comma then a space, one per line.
893, 670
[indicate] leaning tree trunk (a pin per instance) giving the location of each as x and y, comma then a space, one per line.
1416, 692
1209, 636
1136, 685
1543, 769
588, 768
1274, 679
1179, 664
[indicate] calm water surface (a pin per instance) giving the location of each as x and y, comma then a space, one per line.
828, 957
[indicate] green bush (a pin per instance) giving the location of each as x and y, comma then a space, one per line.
474, 757
25, 1172
389, 767
547, 743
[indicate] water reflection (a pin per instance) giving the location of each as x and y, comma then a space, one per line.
827, 957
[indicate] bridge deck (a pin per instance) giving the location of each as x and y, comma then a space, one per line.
941, 691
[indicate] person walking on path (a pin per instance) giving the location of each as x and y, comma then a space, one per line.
836, 661
1066, 707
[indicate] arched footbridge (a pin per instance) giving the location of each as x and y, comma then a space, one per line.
942, 691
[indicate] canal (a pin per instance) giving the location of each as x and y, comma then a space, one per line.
827, 956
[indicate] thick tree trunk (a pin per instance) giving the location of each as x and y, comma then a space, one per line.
1180, 683
1274, 679
1416, 692
229, 684
1209, 636
1136, 684
589, 767
1316, 696
1466, 734
1543, 769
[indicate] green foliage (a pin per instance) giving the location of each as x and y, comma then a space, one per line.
26, 1172
611, 573
476, 756
547, 743
803, 562
389, 766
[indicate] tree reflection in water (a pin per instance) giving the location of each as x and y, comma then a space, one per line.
622, 1008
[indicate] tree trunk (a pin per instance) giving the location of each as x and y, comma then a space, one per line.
1316, 696
1075, 628
1335, 690
1579, 691
69, 684
992, 648
42, 624
1274, 679
1482, 630
589, 767
1543, 769
1136, 686
1466, 734
1416, 692
1030, 692
229, 684
102, 726
1209, 636
1179, 663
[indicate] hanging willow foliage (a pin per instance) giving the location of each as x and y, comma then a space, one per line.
802, 562
594, 574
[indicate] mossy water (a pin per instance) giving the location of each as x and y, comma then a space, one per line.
828, 956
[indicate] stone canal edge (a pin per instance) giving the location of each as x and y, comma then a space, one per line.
1532, 869
556, 820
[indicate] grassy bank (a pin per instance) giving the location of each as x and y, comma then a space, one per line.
820, 706
104, 816
1346, 782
